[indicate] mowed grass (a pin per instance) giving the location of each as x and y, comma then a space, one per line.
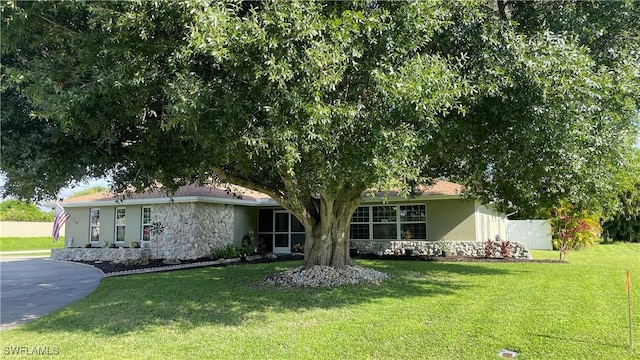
576, 310
31, 243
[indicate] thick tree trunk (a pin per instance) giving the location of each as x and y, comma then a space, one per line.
327, 235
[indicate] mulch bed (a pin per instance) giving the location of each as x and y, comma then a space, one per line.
110, 267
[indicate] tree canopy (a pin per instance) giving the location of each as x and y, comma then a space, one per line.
526, 103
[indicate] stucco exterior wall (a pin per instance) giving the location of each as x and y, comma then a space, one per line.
133, 229
451, 219
77, 227
77, 234
490, 224
107, 224
245, 221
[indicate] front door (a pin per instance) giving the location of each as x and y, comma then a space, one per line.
281, 240
279, 231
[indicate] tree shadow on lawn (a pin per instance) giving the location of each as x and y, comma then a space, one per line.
233, 296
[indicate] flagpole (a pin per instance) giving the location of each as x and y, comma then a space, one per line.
60, 218
72, 218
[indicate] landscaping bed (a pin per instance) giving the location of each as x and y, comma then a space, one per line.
108, 267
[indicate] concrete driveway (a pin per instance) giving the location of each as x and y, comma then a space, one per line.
33, 287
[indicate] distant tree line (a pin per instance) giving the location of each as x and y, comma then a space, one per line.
15, 210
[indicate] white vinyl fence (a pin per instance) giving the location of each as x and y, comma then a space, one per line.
535, 234
26, 229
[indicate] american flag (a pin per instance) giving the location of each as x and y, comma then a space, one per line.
61, 217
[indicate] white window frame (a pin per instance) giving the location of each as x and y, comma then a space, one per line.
398, 222
409, 222
93, 226
368, 222
144, 225
394, 208
117, 225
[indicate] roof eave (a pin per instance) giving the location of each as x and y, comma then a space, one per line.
368, 199
163, 200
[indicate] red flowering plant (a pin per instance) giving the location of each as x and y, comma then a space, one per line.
573, 229
505, 249
488, 249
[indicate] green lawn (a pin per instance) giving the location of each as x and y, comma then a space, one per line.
33, 243
426, 311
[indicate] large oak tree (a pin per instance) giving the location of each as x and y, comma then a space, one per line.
313, 103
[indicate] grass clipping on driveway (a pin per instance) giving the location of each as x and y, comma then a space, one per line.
424, 310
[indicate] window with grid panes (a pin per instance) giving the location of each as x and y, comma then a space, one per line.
94, 225
120, 224
385, 222
413, 222
360, 224
146, 223
389, 222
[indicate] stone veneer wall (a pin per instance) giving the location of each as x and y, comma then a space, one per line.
191, 230
116, 255
434, 248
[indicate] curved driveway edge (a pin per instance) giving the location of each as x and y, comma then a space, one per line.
33, 287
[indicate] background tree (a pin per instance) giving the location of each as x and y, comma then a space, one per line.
15, 210
314, 103
624, 224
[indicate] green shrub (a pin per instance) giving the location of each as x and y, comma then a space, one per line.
246, 250
218, 253
227, 252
